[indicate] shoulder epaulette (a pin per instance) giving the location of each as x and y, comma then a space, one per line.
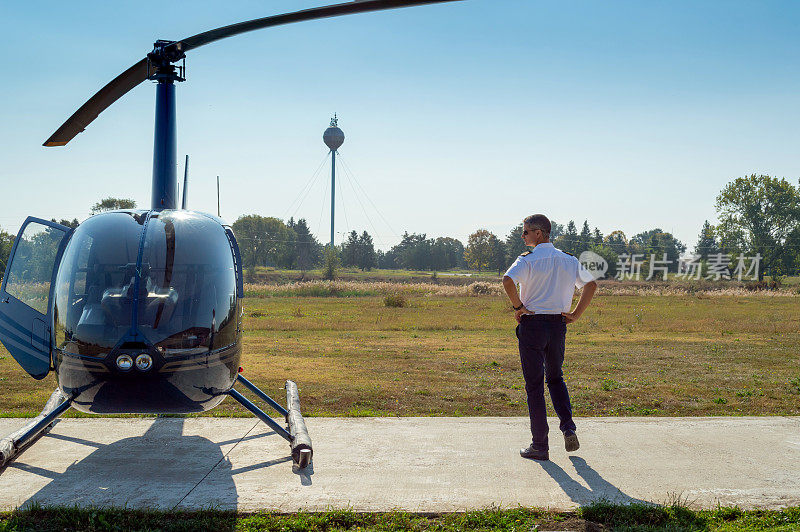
568, 253
525, 253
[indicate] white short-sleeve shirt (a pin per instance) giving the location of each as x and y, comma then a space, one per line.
548, 277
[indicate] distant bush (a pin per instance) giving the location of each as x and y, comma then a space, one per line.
482, 289
773, 284
395, 300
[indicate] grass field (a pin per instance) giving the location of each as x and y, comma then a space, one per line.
276, 275
599, 516
448, 353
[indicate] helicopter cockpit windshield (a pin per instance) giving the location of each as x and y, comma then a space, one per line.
174, 285
188, 302
100, 259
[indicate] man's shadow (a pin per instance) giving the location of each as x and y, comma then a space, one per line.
599, 489
159, 469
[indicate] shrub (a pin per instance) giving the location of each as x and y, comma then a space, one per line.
395, 300
481, 289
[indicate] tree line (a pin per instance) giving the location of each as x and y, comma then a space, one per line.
757, 214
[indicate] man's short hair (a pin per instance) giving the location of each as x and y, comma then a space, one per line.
539, 221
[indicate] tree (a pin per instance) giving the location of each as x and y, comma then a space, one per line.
585, 238
6, 243
608, 254
657, 242
264, 241
514, 244
499, 260
756, 215
307, 249
72, 225
479, 253
568, 241
447, 253
790, 260
349, 253
414, 252
331, 263
387, 260
597, 237
366, 252
617, 241
706, 242
556, 230
113, 204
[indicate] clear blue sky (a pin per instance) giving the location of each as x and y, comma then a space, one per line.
630, 114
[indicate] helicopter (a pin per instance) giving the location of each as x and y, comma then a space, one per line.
140, 311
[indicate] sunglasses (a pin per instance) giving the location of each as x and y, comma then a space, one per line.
525, 231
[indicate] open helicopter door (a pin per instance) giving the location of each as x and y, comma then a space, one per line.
26, 293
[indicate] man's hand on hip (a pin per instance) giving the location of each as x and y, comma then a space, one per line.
570, 316
521, 312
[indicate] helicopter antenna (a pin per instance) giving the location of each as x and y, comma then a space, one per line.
185, 181
218, 214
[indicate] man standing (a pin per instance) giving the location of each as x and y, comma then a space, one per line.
547, 277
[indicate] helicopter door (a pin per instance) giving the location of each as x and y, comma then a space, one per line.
26, 293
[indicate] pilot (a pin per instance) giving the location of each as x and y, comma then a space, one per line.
547, 277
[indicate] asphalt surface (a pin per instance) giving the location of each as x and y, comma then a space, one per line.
414, 464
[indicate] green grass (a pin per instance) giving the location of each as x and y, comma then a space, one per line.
446, 353
275, 275
599, 516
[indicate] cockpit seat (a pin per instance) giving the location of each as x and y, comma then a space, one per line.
94, 318
158, 306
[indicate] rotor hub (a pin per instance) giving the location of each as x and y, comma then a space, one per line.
160, 61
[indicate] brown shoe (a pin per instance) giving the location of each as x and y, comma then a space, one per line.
534, 454
571, 442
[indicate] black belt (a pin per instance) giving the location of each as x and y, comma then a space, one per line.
543, 317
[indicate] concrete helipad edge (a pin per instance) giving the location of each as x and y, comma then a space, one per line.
415, 464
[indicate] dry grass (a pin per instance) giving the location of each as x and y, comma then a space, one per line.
351, 288
361, 289
456, 355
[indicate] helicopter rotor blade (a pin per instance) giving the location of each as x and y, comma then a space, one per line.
348, 8
98, 103
138, 73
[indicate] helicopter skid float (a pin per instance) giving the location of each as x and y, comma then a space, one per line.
140, 311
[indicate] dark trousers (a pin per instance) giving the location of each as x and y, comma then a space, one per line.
541, 351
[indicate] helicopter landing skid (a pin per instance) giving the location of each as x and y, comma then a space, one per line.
15, 443
297, 434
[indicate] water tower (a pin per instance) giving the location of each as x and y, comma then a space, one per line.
333, 138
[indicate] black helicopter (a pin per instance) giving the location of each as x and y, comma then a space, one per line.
140, 311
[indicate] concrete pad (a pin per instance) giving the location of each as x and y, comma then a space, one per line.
414, 464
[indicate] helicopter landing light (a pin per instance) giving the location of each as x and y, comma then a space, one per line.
144, 362
124, 362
